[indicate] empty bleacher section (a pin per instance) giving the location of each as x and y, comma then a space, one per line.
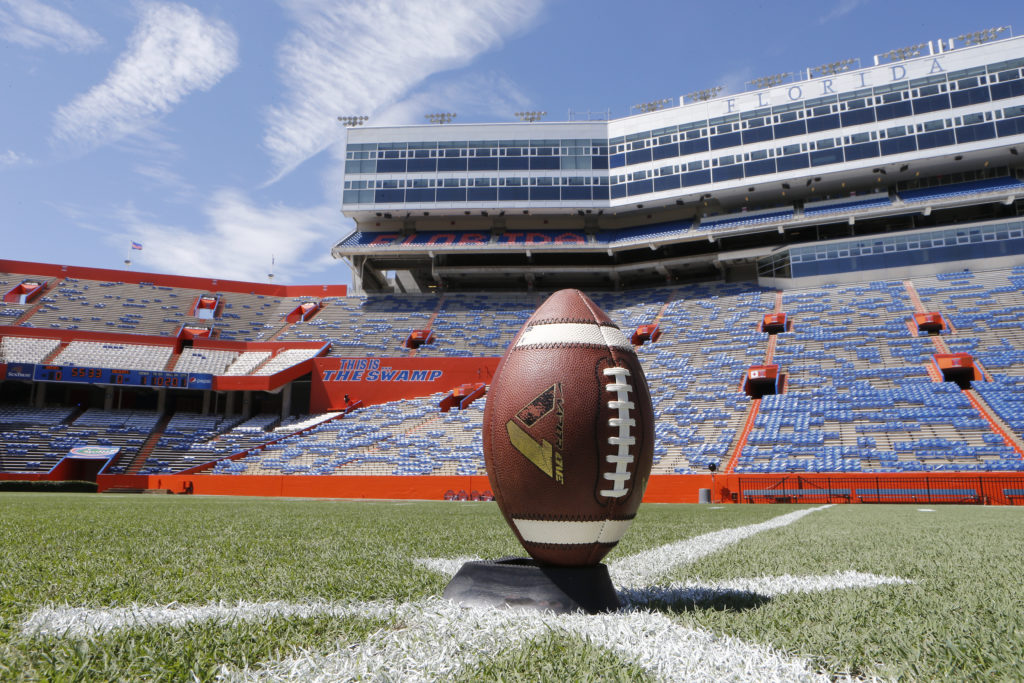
246, 362
956, 190
373, 325
861, 389
113, 355
26, 349
399, 438
146, 308
285, 359
745, 219
478, 324
846, 205
34, 440
209, 361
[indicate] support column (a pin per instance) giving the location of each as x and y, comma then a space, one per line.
108, 398
40, 394
286, 401
161, 400
206, 402
229, 403
246, 405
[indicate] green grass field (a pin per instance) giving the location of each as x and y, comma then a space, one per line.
941, 596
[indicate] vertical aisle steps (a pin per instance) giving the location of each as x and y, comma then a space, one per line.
755, 403
148, 445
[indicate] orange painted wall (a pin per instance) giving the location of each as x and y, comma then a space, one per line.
663, 488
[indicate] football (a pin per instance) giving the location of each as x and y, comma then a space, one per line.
568, 433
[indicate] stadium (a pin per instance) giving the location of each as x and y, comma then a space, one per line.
822, 277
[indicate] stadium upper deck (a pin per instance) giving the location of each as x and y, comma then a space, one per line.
693, 190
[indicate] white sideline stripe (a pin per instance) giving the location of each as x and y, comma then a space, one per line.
448, 566
81, 622
642, 567
767, 586
574, 333
572, 533
439, 638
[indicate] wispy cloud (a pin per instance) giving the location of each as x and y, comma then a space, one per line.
238, 240
32, 24
174, 51
361, 57
12, 158
491, 95
842, 8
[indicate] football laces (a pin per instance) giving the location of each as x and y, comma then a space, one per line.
622, 457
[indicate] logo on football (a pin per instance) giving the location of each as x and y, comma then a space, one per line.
569, 432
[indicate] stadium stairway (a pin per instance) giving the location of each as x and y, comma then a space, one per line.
432, 320
39, 304
150, 443
999, 426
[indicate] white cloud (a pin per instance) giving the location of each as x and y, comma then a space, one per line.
32, 24
361, 57
12, 158
174, 51
239, 240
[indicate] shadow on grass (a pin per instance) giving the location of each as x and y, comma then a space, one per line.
690, 599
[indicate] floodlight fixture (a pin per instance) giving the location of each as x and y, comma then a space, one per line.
904, 53
441, 117
654, 105
980, 37
353, 121
768, 81
703, 95
833, 68
530, 116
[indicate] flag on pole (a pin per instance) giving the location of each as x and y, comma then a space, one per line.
137, 245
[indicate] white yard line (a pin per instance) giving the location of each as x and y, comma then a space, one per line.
438, 639
639, 569
82, 622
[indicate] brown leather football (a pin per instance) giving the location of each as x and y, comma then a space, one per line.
569, 432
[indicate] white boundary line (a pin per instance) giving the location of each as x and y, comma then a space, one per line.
638, 569
439, 638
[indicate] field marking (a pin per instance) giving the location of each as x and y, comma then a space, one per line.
438, 639
638, 569
646, 565
83, 622
445, 565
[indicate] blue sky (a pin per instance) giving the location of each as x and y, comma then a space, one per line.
207, 130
